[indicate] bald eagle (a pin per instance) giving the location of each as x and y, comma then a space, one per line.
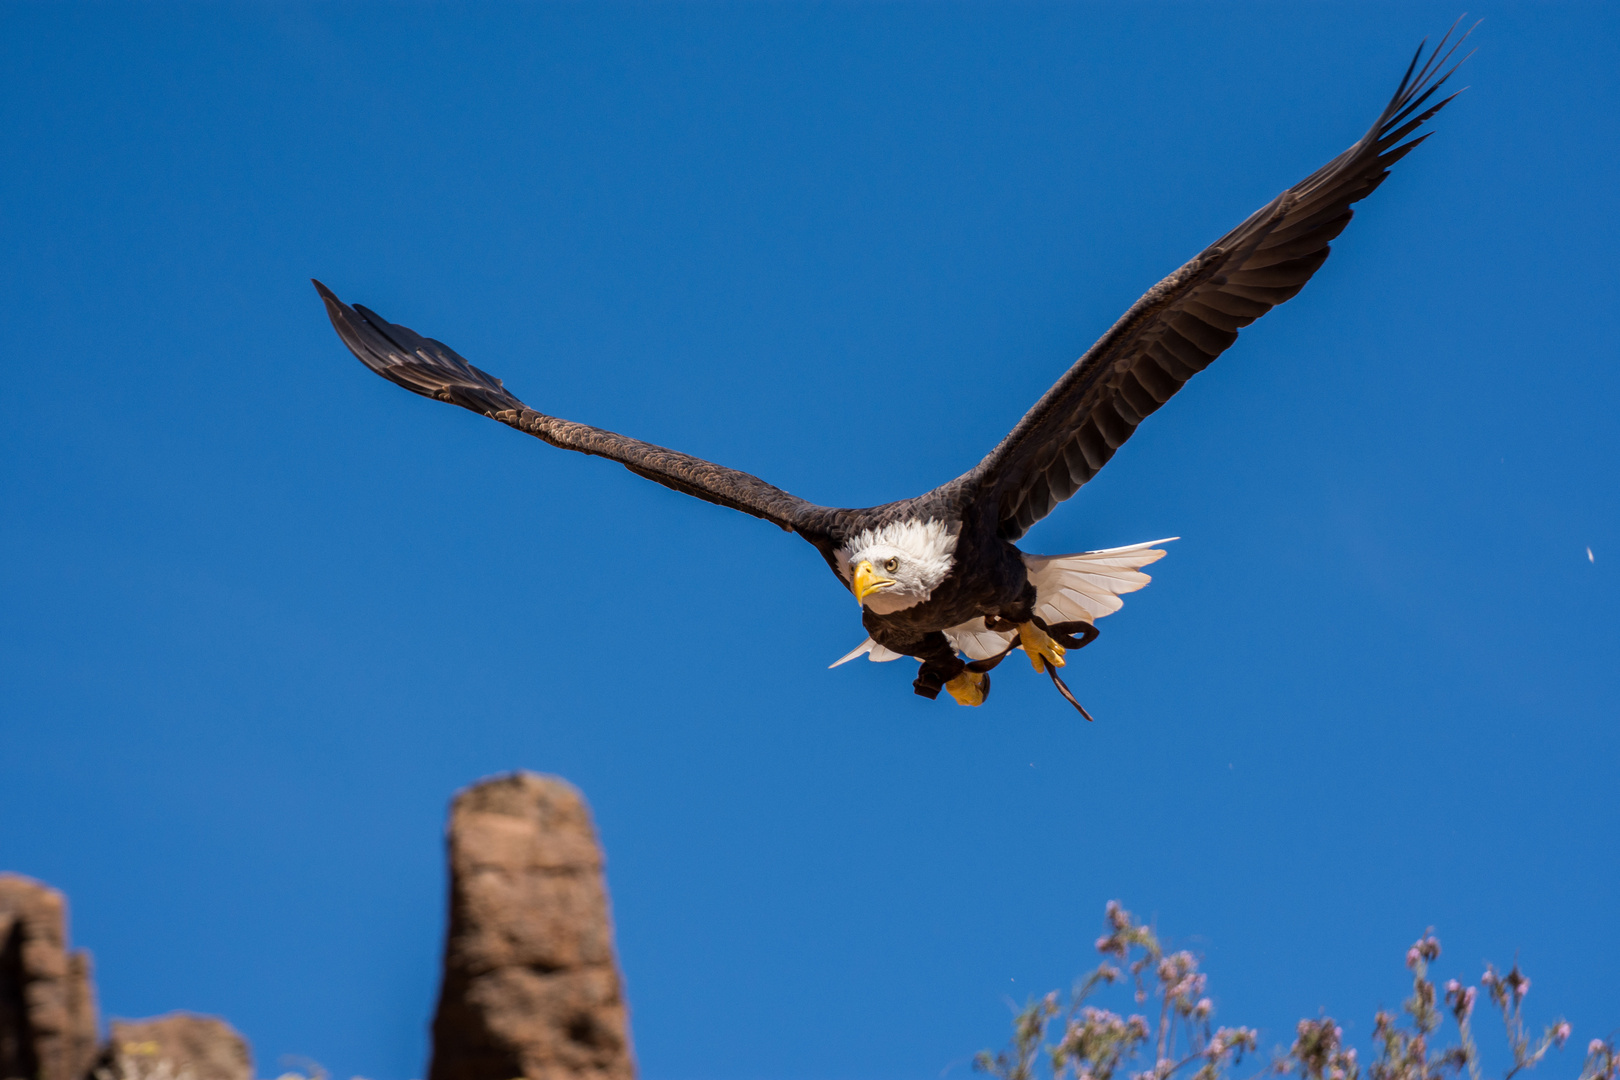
938, 577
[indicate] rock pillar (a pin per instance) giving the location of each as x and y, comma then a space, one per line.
531, 987
47, 1005
178, 1044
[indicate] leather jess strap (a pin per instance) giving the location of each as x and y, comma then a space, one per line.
1062, 633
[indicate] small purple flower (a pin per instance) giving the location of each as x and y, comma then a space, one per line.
1460, 998
1560, 1033
1594, 1047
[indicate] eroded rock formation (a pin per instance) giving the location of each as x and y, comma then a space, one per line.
47, 1004
181, 1045
531, 987
48, 1028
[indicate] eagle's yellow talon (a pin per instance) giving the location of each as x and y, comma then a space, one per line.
1040, 646
968, 688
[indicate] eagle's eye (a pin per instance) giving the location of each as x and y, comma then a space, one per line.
891, 564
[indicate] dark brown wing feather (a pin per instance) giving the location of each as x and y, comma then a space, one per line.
1191, 317
433, 369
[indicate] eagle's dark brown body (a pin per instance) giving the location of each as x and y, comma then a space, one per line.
989, 579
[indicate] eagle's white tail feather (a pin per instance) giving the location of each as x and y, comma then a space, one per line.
871, 649
1087, 585
973, 641
859, 650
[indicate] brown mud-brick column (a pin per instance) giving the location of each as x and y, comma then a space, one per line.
531, 988
47, 1005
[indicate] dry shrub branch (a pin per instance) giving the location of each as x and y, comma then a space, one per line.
1182, 1040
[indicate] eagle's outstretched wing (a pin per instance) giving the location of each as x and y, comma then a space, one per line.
433, 369
1191, 317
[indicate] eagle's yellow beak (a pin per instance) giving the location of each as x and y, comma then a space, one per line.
869, 581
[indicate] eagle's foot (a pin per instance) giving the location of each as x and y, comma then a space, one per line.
1040, 646
969, 688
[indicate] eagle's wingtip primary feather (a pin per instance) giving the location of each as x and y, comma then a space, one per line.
336, 310
334, 306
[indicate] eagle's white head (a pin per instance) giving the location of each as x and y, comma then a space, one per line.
899, 565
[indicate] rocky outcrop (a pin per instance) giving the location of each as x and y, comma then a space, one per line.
531, 987
48, 1027
47, 1005
180, 1045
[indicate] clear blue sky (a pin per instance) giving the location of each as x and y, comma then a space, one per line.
262, 613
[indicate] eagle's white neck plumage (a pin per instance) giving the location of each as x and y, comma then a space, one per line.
926, 550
